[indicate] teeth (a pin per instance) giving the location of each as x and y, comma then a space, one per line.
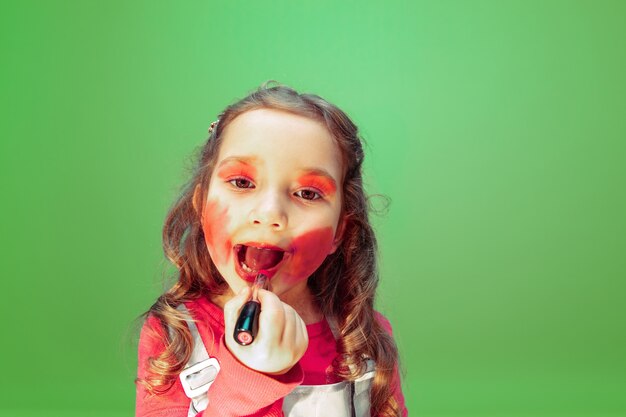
246, 267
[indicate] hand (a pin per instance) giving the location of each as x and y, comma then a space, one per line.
282, 338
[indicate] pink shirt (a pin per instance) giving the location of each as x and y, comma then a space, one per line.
239, 390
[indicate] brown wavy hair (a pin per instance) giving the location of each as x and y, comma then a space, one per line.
344, 285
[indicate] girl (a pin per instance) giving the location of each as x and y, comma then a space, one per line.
277, 190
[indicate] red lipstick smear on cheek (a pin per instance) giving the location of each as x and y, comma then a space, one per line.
214, 221
310, 250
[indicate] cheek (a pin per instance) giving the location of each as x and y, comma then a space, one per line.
214, 221
310, 250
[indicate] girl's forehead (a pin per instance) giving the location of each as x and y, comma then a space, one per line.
273, 137
278, 121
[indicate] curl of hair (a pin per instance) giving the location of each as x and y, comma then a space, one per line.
344, 285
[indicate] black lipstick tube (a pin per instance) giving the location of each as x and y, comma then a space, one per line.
247, 325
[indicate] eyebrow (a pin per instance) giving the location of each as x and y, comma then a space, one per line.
246, 160
237, 165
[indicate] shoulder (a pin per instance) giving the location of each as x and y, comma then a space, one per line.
151, 324
383, 321
203, 310
152, 338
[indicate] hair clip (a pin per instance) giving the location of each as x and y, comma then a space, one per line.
213, 126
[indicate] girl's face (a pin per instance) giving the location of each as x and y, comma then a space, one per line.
274, 200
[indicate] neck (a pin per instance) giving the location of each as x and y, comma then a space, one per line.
305, 305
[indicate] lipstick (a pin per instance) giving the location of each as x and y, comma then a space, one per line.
248, 322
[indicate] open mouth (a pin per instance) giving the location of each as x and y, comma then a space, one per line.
254, 259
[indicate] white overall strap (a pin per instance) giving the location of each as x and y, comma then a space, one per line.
200, 371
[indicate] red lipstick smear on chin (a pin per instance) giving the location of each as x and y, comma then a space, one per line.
309, 251
214, 220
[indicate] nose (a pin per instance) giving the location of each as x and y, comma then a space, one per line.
269, 211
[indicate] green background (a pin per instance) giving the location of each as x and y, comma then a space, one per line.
497, 129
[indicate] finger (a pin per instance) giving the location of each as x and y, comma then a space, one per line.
291, 326
233, 306
272, 317
303, 334
301, 337
269, 300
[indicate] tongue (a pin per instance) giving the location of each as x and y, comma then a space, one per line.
258, 258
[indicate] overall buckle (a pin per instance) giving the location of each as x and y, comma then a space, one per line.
197, 379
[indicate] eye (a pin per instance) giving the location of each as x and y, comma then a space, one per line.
308, 194
241, 183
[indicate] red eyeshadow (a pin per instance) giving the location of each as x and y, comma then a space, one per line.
236, 168
321, 182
